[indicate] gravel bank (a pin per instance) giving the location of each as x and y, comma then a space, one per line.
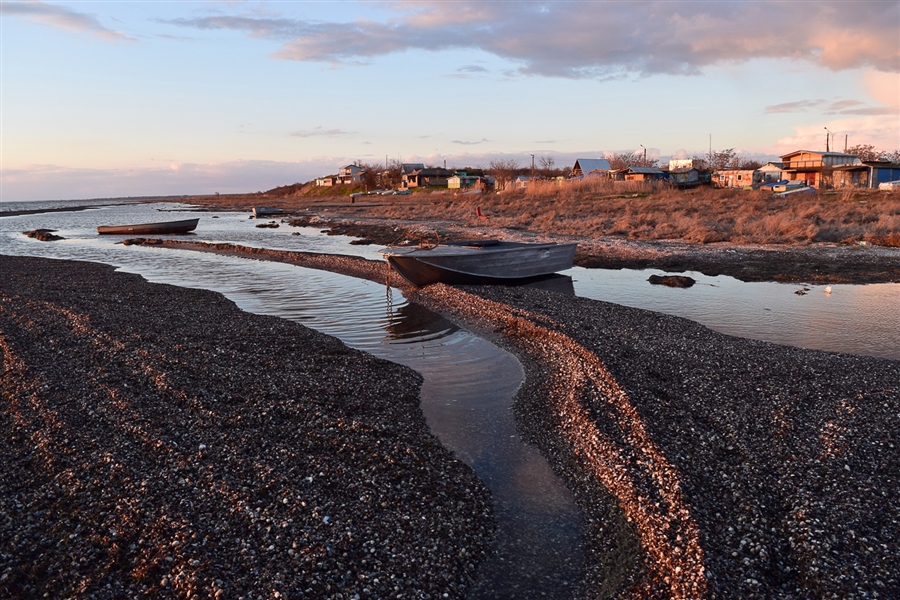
705, 465
157, 440
808, 263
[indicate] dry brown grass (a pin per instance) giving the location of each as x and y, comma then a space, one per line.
638, 211
644, 211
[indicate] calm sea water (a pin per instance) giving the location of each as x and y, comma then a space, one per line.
857, 319
854, 319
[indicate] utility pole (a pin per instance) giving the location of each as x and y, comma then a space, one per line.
827, 144
532, 166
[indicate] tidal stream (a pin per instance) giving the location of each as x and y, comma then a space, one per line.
467, 391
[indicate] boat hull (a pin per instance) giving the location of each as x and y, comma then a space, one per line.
166, 227
260, 211
504, 262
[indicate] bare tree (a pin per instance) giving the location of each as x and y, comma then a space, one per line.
748, 164
503, 171
547, 164
723, 159
867, 152
623, 160
700, 163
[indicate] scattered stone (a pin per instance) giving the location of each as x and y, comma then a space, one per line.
676, 281
110, 385
43, 235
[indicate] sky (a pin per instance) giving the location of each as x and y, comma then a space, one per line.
112, 99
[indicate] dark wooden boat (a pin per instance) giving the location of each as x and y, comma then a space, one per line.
478, 262
150, 228
262, 211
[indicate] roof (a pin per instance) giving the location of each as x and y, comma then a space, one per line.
592, 164
410, 167
819, 152
867, 164
433, 172
645, 170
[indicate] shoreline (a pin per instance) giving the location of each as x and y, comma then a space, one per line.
820, 263
614, 535
703, 464
158, 440
814, 263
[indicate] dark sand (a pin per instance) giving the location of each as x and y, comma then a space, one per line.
157, 440
705, 465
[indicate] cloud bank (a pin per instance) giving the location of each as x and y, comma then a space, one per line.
599, 39
61, 17
836, 107
55, 182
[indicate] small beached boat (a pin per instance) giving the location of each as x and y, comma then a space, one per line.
476, 262
151, 228
262, 211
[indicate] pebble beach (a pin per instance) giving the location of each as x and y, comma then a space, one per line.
162, 442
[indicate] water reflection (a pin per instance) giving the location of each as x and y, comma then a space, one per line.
856, 319
414, 323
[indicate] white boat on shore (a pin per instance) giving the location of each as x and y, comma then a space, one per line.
477, 262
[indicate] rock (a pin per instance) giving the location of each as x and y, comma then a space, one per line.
679, 281
44, 235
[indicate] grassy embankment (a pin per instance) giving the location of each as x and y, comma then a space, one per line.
637, 211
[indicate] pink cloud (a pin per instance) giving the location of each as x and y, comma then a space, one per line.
61, 17
601, 39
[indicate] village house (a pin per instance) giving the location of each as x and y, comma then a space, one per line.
590, 167
347, 174
426, 177
519, 182
771, 172
637, 174
867, 174
462, 181
351, 174
683, 174
815, 169
737, 178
